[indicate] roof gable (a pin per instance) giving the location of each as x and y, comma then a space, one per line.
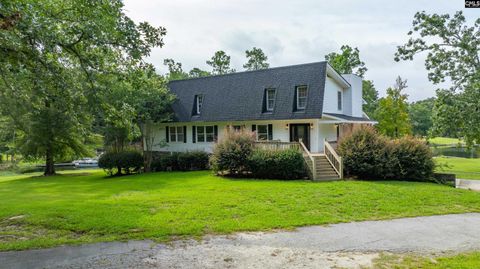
240, 96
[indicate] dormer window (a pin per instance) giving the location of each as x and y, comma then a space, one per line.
197, 106
269, 99
301, 96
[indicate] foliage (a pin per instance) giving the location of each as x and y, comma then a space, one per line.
362, 151
367, 154
256, 59
181, 161
198, 73
220, 63
370, 95
347, 61
392, 111
57, 59
175, 71
231, 153
118, 163
160, 206
452, 48
420, 114
276, 164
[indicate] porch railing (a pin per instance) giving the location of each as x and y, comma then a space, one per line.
277, 145
333, 158
309, 160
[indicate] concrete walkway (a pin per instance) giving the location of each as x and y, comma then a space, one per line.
348, 245
469, 184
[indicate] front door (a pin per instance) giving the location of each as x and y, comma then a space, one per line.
300, 131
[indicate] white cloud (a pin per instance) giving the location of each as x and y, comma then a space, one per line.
293, 32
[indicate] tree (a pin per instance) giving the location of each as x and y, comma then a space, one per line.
220, 63
57, 58
198, 73
453, 54
347, 61
392, 111
175, 71
256, 59
370, 95
420, 114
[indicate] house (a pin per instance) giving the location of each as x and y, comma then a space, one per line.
311, 102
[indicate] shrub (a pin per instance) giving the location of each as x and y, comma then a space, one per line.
278, 164
232, 152
181, 161
361, 152
368, 155
118, 163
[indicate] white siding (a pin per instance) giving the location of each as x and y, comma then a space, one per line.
281, 132
355, 95
330, 100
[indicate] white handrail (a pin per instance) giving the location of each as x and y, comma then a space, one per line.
339, 170
314, 170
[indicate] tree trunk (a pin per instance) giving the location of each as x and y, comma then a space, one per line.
49, 163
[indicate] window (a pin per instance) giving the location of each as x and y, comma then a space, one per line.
301, 97
339, 100
176, 134
270, 99
262, 132
238, 128
199, 102
205, 133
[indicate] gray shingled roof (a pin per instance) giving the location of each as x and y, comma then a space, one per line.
239, 96
349, 118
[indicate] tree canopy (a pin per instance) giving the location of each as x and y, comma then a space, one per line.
347, 61
58, 60
420, 114
453, 54
220, 63
256, 59
392, 111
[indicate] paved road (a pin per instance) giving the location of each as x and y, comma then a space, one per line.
347, 245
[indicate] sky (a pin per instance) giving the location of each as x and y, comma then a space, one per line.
295, 32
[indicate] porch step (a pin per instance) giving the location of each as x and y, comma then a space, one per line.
323, 169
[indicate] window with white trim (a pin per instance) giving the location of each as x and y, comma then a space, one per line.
301, 97
199, 102
176, 134
270, 99
205, 134
262, 132
339, 100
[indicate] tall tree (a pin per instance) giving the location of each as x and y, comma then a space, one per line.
392, 111
453, 55
420, 114
55, 59
220, 63
347, 61
175, 70
370, 95
198, 73
256, 59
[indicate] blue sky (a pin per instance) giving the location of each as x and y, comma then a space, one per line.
294, 32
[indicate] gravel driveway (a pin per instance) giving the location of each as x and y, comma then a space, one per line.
348, 245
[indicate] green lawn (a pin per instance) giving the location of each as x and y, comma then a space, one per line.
88, 207
459, 261
444, 141
463, 167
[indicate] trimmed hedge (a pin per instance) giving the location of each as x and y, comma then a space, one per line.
276, 164
369, 155
118, 163
181, 161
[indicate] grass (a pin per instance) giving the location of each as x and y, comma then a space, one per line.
459, 261
37, 212
463, 167
444, 141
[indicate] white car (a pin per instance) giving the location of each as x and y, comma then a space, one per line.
85, 162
